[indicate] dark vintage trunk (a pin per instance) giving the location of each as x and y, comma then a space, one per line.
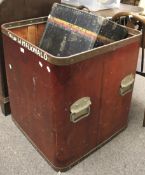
68, 106
12, 10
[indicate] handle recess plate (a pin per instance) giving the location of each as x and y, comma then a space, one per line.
80, 109
127, 84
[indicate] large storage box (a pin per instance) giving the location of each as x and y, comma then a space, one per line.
68, 106
12, 10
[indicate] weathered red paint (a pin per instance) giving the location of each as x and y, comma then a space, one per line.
41, 94
12, 10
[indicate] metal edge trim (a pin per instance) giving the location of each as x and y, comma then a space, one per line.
60, 61
22, 23
78, 160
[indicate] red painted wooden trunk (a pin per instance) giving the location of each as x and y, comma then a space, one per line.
43, 90
12, 10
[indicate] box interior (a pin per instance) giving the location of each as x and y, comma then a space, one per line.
32, 33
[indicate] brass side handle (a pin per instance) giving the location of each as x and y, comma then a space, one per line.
80, 109
127, 84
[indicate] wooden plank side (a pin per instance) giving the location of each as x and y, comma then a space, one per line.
40, 29
32, 34
21, 32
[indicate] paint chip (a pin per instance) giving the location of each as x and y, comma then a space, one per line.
10, 66
34, 81
41, 65
15, 39
48, 68
22, 50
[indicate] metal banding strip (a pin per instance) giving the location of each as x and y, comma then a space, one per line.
135, 36
28, 22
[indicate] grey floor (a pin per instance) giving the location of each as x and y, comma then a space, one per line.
124, 155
